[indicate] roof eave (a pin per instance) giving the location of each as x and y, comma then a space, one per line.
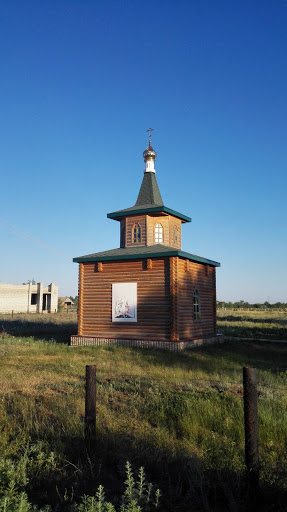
124, 213
191, 257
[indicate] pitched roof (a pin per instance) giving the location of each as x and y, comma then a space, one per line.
149, 192
151, 251
149, 201
66, 299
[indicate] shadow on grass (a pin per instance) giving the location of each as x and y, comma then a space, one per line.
46, 329
267, 320
185, 482
244, 331
262, 355
252, 327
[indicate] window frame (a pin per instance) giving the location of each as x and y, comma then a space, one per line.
158, 233
136, 233
175, 235
196, 306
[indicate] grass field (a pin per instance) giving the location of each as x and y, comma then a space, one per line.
253, 324
178, 415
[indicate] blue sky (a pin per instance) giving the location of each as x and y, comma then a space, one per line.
82, 80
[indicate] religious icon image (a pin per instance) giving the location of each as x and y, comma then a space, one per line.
124, 302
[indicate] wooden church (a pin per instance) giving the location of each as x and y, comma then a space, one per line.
149, 292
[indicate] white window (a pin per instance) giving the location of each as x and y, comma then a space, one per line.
158, 236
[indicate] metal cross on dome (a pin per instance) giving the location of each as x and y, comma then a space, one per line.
149, 130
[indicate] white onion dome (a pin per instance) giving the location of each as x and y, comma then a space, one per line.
149, 153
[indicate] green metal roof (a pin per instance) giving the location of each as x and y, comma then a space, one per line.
149, 192
147, 208
151, 251
149, 201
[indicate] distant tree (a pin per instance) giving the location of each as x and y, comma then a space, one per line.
245, 305
241, 305
257, 306
278, 305
60, 305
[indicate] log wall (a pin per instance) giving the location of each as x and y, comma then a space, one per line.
165, 289
191, 276
175, 238
169, 224
153, 309
147, 224
129, 224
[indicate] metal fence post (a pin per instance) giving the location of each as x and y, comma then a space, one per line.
251, 424
90, 403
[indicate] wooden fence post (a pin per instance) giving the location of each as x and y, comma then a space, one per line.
251, 425
90, 403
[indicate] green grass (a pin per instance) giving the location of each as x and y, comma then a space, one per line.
253, 324
178, 415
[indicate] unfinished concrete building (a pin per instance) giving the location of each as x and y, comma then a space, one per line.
28, 298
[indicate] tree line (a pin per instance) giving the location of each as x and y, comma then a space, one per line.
242, 304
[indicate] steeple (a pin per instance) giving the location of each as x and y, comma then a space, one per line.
149, 193
149, 201
149, 155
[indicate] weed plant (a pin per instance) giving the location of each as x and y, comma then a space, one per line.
138, 496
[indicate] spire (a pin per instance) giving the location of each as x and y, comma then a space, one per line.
149, 155
149, 193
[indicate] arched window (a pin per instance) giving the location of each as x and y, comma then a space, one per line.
158, 234
136, 233
196, 312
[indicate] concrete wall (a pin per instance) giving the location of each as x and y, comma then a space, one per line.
28, 298
54, 297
